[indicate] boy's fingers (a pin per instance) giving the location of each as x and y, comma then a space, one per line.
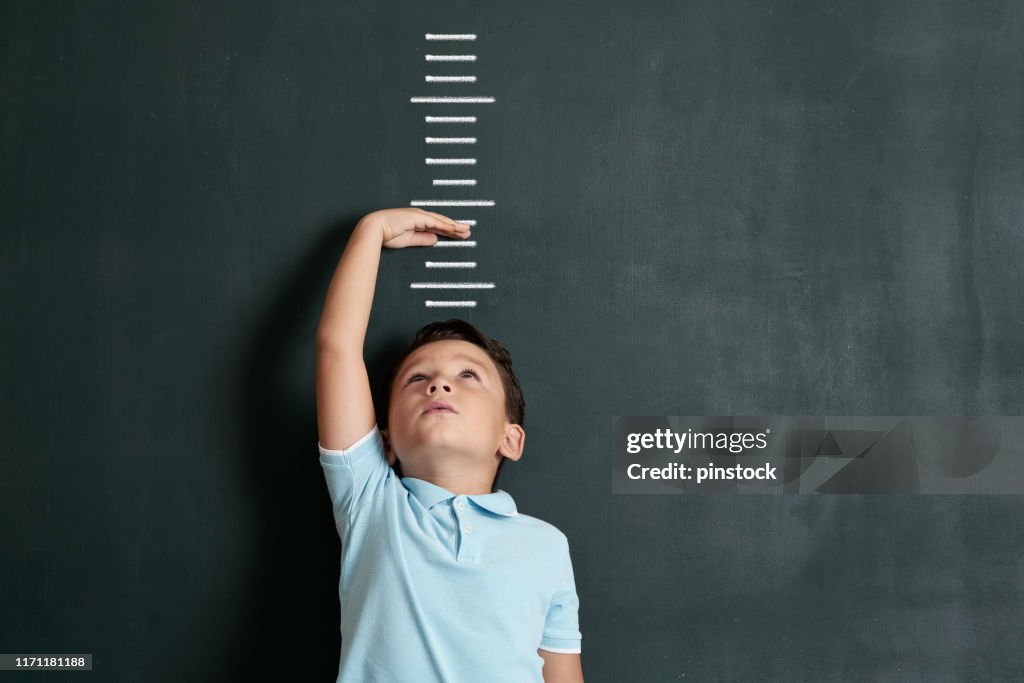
442, 218
430, 213
447, 225
453, 227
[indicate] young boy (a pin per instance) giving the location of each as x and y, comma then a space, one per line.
442, 579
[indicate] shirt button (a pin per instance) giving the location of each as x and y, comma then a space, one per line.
467, 528
460, 505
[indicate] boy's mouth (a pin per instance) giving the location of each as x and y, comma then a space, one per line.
438, 407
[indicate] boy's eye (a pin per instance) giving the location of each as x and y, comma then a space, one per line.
464, 372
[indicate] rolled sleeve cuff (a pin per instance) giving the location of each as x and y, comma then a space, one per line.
369, 435
565, 646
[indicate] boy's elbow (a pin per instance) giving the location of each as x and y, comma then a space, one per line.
334, 343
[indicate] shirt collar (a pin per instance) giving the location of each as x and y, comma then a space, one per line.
428, 494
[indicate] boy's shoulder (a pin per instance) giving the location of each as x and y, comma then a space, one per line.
542, 530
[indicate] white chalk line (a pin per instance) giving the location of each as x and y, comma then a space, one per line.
450, 141
450, 119
451, 36
450, 264
452, 100
455, 243
450, 162
450, 304
451, 285
453, 181
450, 58
452, 202
450, 79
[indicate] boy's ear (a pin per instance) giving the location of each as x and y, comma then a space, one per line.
512, 445
388, 453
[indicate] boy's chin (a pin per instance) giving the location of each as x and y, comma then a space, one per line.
439, 429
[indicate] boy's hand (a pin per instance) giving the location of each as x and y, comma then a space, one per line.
414, 227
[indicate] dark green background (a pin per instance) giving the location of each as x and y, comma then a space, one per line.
703, 208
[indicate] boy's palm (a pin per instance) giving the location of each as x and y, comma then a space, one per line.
417, 228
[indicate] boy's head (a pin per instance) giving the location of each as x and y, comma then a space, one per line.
454, 363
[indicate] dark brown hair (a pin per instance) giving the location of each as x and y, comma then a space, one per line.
515, 405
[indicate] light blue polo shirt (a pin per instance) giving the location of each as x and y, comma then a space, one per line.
443, 587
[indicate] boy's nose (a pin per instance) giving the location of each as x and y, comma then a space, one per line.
433, 388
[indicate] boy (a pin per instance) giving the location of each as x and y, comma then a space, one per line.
441, 578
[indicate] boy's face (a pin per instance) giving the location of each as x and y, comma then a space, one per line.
473, 434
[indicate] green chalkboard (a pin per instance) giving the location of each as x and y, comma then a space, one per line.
699, 208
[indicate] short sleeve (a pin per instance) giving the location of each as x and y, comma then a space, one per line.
355, 474
561, 627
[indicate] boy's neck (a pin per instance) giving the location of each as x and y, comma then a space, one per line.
460, 485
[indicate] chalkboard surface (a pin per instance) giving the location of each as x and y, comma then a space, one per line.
699, 208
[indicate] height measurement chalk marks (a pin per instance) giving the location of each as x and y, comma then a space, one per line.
451, 161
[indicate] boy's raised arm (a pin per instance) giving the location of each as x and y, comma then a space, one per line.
343, 401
